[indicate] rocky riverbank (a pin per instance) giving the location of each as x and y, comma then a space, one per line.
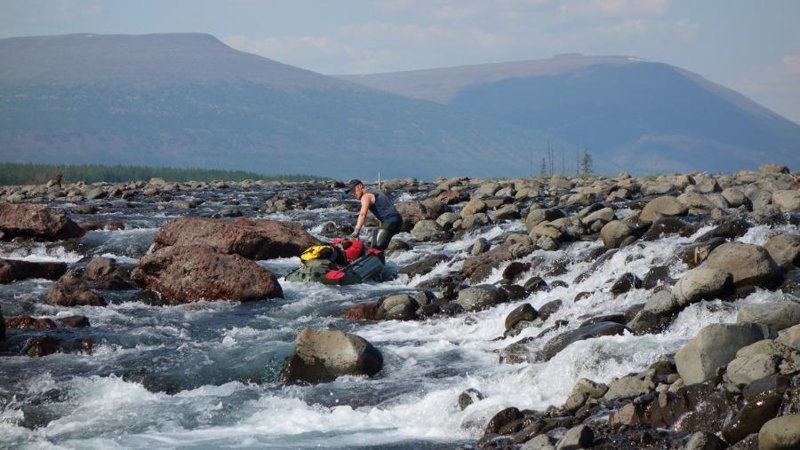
732, 384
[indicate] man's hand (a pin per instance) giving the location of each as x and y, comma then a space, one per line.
355, 233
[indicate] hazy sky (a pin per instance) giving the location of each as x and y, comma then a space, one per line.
750, 46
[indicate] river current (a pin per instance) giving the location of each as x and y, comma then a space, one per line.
206, 375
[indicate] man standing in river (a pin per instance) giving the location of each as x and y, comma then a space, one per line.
382, 208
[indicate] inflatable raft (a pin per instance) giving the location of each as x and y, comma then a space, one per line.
343, 262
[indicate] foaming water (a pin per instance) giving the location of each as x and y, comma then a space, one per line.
206, 375
39, 253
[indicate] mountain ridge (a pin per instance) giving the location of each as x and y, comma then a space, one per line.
157, 99
189, 100
633, 112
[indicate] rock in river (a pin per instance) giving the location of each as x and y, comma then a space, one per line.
37, 222
189, 273
321, 356
252, 239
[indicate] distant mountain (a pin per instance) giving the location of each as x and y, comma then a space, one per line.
632, 114
188, 100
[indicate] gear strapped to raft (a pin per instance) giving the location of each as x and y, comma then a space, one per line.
342, 262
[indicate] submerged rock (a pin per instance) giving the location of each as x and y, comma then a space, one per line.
104, 273
321, 356
562, 341
29, 323
71, 290
14, 270
468, 397
41, 346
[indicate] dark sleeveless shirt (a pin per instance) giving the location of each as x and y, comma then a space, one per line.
383, 209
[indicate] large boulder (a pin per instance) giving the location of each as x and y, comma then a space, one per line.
473, 207
538, 215
189, 273
776, 315
784, 249
749, 264
745, 369
790, 337
780, 433
397, 307
714, 347
474, 221
666, 205
13, 270
36, 222
252, 239
477, 298
702, 283
321, 356
787, 200
71, 290
413, 212
428, 230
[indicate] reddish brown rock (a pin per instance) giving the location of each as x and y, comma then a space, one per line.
28, 323
413, 212
252, 239
364, 311
36, 222
71, 290
698, 407
13, 270
183, 274
453, 196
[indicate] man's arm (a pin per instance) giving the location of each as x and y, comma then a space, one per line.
366, 201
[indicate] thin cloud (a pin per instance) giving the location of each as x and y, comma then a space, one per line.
614, 8
778, 84
68, 10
